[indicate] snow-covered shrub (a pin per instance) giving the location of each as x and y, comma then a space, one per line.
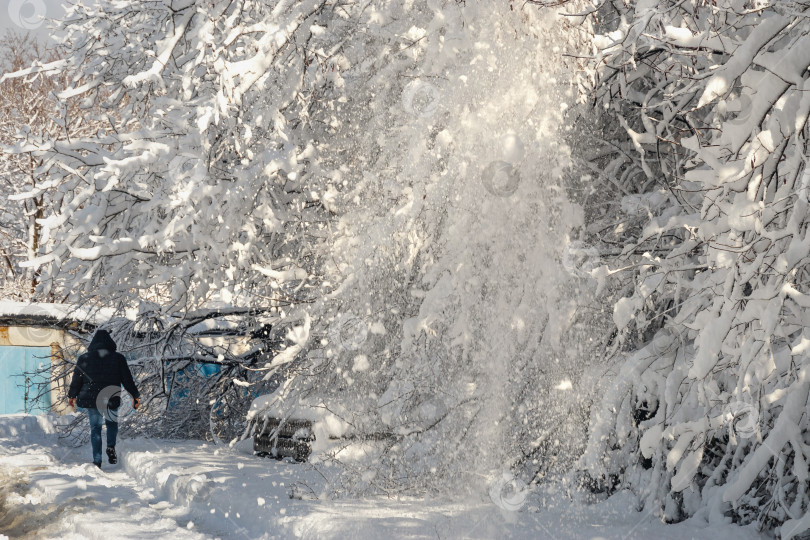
712, 98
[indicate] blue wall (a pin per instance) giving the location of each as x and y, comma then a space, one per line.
14, 386
178, 381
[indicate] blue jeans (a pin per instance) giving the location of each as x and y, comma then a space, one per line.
95, 432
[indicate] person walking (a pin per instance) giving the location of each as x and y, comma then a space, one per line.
96, 386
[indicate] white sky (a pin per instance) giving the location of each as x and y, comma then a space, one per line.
27, 15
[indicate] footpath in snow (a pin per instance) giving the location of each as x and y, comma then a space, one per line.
192, 489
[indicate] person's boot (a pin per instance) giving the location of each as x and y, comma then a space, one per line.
97, 464
111, 455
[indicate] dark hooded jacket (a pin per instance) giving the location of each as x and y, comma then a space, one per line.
101, 368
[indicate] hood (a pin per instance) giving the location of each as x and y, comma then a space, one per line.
102, 340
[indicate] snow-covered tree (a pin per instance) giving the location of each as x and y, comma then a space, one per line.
708, 411
446, 355
200, 196
384, 177
29, 114
193, 187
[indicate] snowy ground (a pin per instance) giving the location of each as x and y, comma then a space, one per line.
191, 490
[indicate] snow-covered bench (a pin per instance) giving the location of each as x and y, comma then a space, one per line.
287, 438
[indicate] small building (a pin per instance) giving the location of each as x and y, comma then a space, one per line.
33, 338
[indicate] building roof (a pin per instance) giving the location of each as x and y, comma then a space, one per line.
219, 321
51, 315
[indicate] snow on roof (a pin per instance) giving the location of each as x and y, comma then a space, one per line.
216, 321
28, 313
